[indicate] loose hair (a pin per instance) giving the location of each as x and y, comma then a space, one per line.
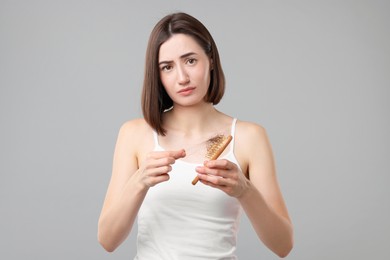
155, 99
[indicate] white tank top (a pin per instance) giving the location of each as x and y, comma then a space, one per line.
181, 221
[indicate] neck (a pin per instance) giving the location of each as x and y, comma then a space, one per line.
191, 120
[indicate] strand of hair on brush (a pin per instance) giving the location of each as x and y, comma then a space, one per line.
217, 145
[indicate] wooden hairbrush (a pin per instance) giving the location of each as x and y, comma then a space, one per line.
215, 147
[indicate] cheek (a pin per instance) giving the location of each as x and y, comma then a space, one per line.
207, 77
203, 74
165, 80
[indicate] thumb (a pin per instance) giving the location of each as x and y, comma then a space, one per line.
178, 154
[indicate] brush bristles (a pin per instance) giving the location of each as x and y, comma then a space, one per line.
215, 147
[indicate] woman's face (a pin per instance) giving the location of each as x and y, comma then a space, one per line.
184, 70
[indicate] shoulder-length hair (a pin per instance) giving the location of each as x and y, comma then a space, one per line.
155, 99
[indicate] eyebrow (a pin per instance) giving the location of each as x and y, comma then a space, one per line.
181, 57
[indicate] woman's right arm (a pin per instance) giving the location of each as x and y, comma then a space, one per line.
129, 184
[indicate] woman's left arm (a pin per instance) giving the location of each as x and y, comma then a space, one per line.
259, 193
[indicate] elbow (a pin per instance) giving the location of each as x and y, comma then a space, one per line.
285, 251
109, 247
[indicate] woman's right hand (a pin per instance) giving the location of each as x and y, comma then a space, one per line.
156, 166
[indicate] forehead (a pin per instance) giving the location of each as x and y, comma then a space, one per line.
178, 45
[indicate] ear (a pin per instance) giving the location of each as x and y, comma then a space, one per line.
211, 64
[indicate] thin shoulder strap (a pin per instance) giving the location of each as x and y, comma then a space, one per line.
155, 138
233, 132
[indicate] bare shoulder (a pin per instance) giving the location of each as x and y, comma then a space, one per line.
136, 134
250, 140
249, 132
134, 127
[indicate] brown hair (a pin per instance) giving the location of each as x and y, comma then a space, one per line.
155, 99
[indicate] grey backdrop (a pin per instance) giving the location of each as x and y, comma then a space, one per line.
315, 74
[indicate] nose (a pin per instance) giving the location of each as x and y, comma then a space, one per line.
182, 76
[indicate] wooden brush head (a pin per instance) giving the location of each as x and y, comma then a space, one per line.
215, 147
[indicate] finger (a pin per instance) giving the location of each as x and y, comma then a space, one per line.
209, 184
178, 154
214, 180
212, 171
222, 163
227, 189
154, 163
159, 170
163, 154
158, 179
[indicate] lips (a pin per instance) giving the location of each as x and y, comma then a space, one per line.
186, 91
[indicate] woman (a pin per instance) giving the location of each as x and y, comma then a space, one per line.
151, 175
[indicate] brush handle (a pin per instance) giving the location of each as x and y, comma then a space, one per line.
216, 154
195, 181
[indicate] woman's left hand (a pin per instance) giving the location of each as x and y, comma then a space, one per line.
224, 175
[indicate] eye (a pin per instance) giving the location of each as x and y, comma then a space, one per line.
191, 61
166, 68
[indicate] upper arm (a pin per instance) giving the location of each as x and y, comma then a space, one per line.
125, 162
257, 154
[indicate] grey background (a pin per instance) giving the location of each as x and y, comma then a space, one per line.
315, 74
